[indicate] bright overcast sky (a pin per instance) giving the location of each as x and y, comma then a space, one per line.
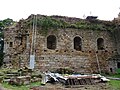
18, 9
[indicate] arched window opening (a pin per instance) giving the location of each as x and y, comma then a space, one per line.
51, 42
77, 44
100, 44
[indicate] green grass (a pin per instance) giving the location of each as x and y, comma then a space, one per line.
23, 87
114, 84
114, 75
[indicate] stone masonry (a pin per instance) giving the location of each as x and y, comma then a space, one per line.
62, 50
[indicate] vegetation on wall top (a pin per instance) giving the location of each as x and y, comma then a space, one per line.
47, 22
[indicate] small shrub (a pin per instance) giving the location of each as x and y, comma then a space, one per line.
118, 71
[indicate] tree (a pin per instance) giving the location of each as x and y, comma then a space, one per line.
7, 22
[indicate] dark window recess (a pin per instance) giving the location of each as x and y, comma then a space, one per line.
106, 51
118, 65
11, 44
56, 50
77, 44
96, 51
100, 44
51, 42
89, 51
45, 50
111, 70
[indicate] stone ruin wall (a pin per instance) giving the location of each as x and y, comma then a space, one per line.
64, 56
114, 62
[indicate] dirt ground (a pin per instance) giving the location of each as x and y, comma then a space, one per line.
48, 86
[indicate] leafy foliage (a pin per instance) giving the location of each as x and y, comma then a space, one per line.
48, 22
7, 22
118, 71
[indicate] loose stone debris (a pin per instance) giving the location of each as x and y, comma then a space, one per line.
56, 81
74, 79
48, 86
72, 82
21, 80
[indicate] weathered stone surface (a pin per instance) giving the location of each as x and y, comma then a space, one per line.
21, 80
64, 55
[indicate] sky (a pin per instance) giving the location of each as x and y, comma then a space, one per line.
18, 9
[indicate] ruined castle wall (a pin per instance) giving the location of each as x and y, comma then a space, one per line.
9, 38
65, 55
117, 38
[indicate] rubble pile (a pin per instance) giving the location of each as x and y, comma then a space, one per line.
74, 79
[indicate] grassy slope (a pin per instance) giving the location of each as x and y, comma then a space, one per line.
24, 87
114, 84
